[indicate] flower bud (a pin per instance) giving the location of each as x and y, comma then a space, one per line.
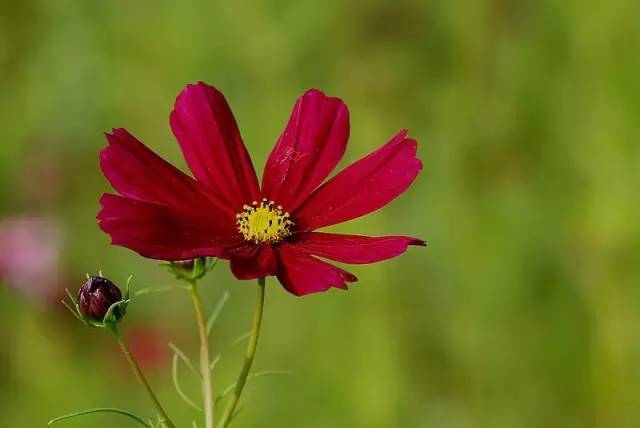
185, 265
190, 270
96, 297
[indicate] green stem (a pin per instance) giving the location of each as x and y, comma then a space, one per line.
205, 373
248, 360
164, 419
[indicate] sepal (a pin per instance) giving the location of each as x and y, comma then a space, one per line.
116, 313
191, 270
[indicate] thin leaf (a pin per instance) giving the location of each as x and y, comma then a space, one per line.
238, 410
195, 425
150, 290
225, 392
216, 311
240, 338
71, 296
184, 358
212, 263
235, 342
128, 288
215, 362
74, 312
101, 410
229, 388
176, 384
269, 373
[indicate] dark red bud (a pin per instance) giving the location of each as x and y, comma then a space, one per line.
96, 297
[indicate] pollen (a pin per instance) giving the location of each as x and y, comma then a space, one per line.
264, 222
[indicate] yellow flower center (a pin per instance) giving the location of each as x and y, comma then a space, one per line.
263, 222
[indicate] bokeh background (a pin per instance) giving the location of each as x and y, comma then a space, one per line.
524, 311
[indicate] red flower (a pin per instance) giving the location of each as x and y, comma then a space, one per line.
265, 230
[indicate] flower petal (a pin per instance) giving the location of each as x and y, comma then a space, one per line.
354, 249
164, 232
212, 146
138, 173
308, 150
363, 187
261, 263
303, 274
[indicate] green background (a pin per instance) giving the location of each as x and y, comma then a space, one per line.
523, 311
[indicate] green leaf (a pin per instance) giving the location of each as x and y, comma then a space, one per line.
235, 414
215, 362
71, 296
176, 384
73, 311
229, 388
240, 338
217, 310
151, 290
74, 308
100, 410
127, 293
184, 358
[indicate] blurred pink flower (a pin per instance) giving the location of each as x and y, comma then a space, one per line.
29, 256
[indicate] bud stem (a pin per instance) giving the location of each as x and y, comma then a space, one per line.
164, 419
248, 361
205, 371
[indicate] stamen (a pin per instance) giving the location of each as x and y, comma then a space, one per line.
264, 222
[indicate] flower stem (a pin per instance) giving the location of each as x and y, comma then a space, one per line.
164, 419
205, 372
248, 361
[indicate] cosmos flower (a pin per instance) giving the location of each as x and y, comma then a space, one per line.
263, 230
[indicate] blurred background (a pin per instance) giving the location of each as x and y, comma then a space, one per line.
524, 311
